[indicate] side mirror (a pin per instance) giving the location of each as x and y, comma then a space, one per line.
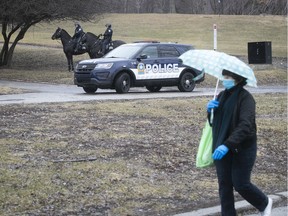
143, 56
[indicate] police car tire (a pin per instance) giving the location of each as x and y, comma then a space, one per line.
123, 83
183, 86
90, 90
153, 88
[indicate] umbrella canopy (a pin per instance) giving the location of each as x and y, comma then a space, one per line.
213, 62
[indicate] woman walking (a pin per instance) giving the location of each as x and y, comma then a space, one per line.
235, 145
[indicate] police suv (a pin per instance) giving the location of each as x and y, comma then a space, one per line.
150, 64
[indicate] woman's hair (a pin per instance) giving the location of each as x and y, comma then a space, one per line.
236, 77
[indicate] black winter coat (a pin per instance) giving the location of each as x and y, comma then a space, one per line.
239, 130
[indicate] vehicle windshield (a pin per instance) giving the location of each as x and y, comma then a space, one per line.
123, 51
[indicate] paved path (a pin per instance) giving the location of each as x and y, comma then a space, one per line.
279, 211
42, 93
243, 207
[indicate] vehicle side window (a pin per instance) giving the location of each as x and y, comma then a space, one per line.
150, 51
168, 51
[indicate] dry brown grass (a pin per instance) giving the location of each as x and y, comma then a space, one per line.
234, 32
142, 156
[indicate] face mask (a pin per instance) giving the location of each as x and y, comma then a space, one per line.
228, 83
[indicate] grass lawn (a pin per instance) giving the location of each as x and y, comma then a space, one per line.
234, 32
123, 157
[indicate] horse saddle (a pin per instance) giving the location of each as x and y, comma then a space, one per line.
81, 43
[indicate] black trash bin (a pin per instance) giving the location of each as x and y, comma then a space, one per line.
260, 52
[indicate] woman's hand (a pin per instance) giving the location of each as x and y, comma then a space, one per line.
220, 152
212, 105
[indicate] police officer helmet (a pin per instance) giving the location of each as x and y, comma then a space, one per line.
108, 25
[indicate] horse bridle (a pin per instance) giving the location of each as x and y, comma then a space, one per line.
59, 32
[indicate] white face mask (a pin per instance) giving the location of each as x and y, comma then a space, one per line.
228, 83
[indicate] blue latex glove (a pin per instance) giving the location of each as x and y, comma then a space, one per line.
212, 104
219, 152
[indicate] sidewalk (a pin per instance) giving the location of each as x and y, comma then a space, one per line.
278, 211
243, 207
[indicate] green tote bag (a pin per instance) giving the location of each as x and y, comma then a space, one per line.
204, 153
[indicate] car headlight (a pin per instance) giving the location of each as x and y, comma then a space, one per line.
104, 66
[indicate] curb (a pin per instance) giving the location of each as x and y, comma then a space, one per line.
241, 206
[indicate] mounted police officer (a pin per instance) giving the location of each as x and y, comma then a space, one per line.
107, 38
79, 33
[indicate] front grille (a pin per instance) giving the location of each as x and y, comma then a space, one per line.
82, 77
82, 68
83, 80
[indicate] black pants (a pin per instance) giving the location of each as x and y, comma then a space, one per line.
234, 171
104, 45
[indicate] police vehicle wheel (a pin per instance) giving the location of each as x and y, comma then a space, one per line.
186, 82
153, 88
90, 90
122, 83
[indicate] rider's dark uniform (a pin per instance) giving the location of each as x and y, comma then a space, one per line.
107, 38
77, 36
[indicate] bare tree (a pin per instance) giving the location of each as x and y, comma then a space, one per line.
138, 5
253, 7
17, 16
161, 6
172, 7
125, 6
277, 7
237, 7
217, 6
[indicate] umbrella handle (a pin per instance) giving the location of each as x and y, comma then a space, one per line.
216, 88
211, 116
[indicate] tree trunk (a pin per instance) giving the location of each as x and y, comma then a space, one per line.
6, 52
125, 6
172, 7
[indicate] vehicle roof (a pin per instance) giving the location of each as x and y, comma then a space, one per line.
153, 43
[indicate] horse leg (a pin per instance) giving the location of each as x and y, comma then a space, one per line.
68, 61
72, 64
90, 54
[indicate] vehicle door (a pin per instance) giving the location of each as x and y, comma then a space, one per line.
168, 56
149, 59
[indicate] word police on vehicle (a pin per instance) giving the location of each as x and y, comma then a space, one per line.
166, 68
151, 65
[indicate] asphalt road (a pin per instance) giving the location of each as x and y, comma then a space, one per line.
47, 93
